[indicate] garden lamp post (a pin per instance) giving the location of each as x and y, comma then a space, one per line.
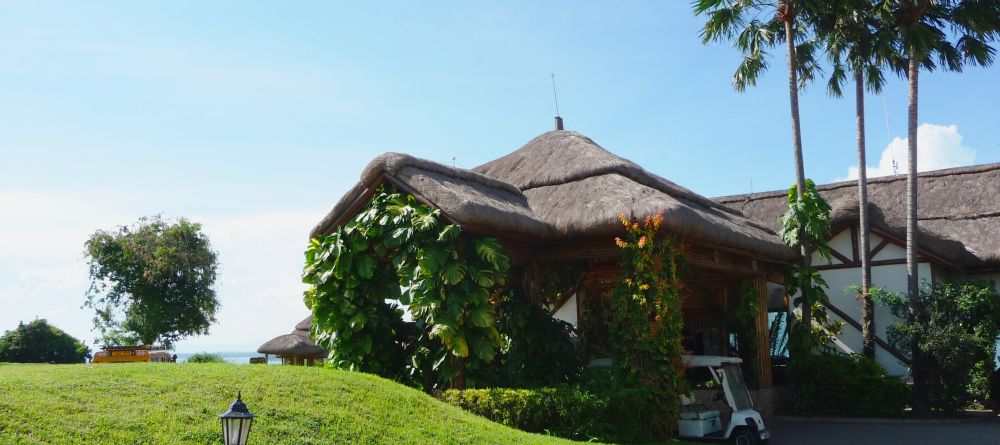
236, 423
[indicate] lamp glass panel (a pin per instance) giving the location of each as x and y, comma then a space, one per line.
245, 430
235, 430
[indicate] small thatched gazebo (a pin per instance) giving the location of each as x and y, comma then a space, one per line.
296, 348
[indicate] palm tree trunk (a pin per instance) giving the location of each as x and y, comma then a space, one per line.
920, 402
867, 310
800, 176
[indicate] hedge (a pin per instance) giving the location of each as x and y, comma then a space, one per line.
564, 411
845, 386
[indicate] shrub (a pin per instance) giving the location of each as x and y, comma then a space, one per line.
568, 412
40, 342
845, 385
956, 327
205, 357
540, 352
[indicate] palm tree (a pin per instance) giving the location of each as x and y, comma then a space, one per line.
858, 42
740, 21
923, 27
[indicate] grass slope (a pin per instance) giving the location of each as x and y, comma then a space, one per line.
148, 403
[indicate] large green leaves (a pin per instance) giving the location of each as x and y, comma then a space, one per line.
807, 220
398, 249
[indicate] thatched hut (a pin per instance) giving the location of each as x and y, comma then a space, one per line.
295, 348
557, 199
959, 238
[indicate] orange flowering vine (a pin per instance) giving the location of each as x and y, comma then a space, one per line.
646, 306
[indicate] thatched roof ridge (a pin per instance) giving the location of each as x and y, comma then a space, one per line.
958, 212
464, 196
559, 157
292, 344
580, 188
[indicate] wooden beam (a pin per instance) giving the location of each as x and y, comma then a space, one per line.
764, 377
854, 244
878, 248
878, 340
843, 259
873, 264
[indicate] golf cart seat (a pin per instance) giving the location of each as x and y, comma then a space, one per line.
692, 410
695, 414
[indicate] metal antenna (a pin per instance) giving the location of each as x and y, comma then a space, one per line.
554, 95
888, 133
746, 200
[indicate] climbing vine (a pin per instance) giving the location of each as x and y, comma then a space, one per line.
397, 251
807, 223
647, 318
742, 321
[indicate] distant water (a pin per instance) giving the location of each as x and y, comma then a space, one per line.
238, 357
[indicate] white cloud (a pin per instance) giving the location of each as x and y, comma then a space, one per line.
43, 272
938, 146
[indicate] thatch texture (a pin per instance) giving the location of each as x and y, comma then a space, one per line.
580, 188
305, 324
958, 212
294, 344
463, 196
558, 186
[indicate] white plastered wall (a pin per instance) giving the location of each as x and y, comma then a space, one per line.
567, 312
890, 277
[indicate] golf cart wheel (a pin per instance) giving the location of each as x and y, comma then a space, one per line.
744, 436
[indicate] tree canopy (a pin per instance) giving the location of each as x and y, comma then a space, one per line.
40, 342
152, 282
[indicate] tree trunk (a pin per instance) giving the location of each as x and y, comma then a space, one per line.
921, 406
867, 309
459, 381
800, 176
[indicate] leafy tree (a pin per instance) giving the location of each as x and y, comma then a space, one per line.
755, 26
956, 328
807, 222
40, 342
858, 42
151, 282
924, 28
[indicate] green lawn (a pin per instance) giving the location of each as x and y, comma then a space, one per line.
177, 404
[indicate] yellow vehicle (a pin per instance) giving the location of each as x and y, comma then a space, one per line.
131, 354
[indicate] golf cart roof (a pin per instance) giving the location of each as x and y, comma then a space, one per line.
700, 361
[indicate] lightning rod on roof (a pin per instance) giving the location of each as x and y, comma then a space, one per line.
555, 97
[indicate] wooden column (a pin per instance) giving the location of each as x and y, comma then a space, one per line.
763, 335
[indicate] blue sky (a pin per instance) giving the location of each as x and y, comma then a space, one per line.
255, 118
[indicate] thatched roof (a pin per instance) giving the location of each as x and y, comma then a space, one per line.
292, 344
580, 188
463, 196
958, 210
305, 324
560, 185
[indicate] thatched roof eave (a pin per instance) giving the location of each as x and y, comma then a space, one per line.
464, 197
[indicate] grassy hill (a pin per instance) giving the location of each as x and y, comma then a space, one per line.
151, 403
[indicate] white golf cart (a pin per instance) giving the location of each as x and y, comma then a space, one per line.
745, 426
